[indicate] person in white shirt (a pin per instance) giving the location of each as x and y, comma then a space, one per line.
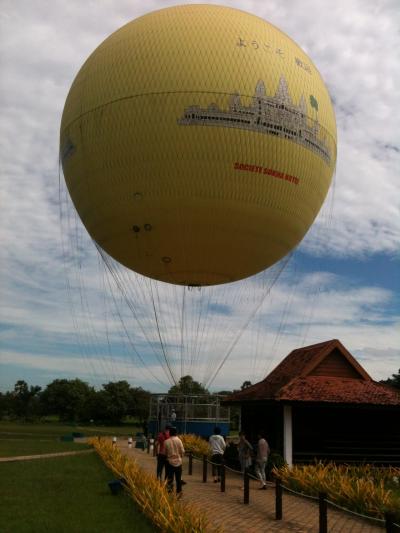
174, 451
261, 460
217, 447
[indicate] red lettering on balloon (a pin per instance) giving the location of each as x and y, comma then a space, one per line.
265, 170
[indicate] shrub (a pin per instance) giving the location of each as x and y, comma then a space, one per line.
195, 444
160, 506
365, 489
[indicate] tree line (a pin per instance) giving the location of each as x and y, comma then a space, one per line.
73, 400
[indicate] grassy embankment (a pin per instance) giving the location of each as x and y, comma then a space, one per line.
63, 494
19, 438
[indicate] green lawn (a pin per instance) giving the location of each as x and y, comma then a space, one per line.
21, 438
64, 494
34, 439
54, 429
12, 447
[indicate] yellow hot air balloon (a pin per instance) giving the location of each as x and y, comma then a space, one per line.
198, 144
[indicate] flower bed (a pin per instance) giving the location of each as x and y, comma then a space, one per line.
365, 489
195, 444
152, 497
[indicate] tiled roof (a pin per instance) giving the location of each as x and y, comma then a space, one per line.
339, 390
293, 380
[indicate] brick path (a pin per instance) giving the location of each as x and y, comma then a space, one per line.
228, 511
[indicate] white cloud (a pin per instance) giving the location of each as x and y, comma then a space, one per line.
94, 370
353, 44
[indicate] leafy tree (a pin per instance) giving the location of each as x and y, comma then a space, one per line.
245, 385
3, 404
140, 404
69, 399
115, 401
394, 381
20, 397
187, 385
23, 401
118, 400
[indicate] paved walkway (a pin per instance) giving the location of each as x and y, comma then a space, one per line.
228, 511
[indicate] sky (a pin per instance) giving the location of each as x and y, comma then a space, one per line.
62, 317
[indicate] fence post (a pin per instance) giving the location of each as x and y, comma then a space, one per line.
246, 491
278, 499
389, 522
148, 445
323, 513
190, 471
222, 470
204, 468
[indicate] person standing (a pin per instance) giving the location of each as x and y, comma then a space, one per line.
174, 451
261, 460
245, 450
160, 450
217, 447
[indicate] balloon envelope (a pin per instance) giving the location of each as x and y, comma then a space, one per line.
198, 144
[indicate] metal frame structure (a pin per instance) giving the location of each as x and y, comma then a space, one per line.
196, 414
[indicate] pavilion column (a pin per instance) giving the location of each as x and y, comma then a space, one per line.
287, 435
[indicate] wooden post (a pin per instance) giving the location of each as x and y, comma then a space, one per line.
222, 470
246, 491
323, 513
278, 499
389, 522
204, 468
190, 471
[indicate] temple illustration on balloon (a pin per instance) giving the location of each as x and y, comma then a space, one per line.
273, 115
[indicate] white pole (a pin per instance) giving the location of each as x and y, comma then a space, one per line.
287, 435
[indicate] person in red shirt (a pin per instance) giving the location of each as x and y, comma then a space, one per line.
160, 450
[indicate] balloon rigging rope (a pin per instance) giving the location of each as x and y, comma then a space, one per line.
182, 328
160, 337
240, 332
136, 352
321, 230
197, 309
70, 234
120, 285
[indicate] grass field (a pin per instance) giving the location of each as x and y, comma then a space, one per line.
64, 494
55, 429
18, 447
19, 438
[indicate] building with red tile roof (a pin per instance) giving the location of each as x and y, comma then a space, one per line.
320, 403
